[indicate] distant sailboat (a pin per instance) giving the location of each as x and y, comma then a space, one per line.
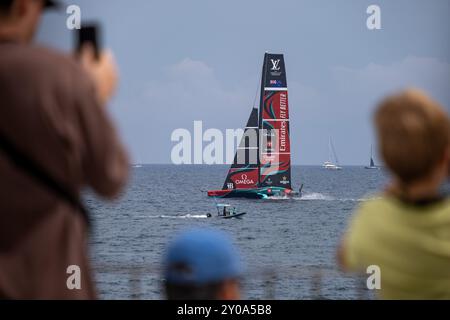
329, 165
137, 164
372, 163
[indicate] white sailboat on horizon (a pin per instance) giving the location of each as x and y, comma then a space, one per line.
329, 165
137, 164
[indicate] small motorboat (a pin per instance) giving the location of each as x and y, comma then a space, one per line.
225, 211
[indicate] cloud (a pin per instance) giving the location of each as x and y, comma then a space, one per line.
340, 107
376, 80
343, 105
191, 89
186, 91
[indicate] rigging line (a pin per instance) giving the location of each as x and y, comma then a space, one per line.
330, 156
257, 90
334, 152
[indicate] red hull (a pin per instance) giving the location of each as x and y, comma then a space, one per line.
218, 193
258, 193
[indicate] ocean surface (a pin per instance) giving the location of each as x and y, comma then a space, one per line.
287, 245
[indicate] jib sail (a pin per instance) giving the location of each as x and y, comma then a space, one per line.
244, 172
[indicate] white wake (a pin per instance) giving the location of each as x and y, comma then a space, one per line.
315, 196
186, 216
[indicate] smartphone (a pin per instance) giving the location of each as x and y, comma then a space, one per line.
89, 33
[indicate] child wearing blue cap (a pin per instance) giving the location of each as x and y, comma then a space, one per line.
202, 264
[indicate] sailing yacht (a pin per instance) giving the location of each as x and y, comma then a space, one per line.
265, 145
372, 163
329, 165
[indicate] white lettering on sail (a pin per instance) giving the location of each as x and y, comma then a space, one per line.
283, 128
283, 137
244, 180
283, 105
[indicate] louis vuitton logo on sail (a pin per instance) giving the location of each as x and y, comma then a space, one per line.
275, 64
275, 70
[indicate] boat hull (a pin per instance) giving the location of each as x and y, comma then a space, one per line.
258, 193
237, 215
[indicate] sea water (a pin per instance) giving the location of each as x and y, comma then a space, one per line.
288, 245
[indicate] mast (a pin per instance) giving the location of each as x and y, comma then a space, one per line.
261, 104
334, 152
330, 157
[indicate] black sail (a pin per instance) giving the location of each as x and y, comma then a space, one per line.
244, 172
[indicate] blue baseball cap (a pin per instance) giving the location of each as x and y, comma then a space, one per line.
201, 256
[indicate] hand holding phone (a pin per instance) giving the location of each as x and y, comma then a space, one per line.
89, 35
100, 65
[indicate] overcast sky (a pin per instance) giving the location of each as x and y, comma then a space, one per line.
189, 60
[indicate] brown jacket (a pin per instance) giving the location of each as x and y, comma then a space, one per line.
48, 109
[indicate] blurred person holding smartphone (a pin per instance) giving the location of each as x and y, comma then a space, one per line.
55, 139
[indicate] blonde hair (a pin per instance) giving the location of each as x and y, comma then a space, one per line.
413, 133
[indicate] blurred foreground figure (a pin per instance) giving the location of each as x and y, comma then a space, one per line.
52, 113
202, 265
406, 231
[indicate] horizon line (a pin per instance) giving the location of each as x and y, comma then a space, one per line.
228, 164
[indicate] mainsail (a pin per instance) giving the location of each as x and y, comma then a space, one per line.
275, 152
372, 163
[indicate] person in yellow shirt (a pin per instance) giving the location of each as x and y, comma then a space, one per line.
405, 231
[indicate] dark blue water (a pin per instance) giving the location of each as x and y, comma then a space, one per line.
288, 245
